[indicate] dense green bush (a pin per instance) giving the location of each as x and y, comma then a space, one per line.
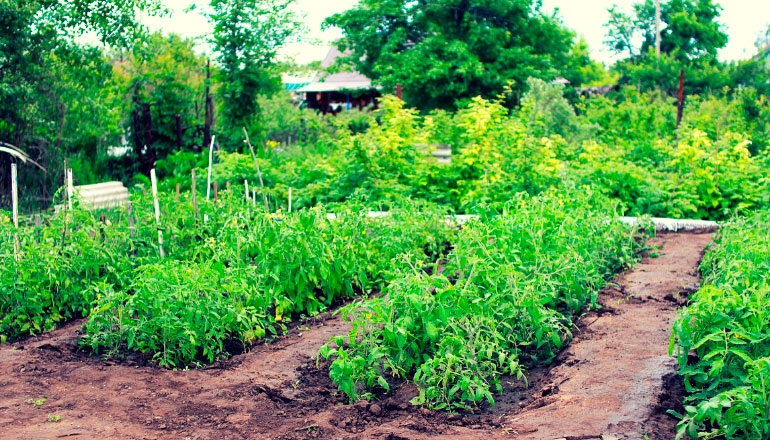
722, 339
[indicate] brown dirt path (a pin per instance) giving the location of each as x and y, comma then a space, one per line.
614, 380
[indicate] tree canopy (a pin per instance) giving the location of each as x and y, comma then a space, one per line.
49, 81
246, 38
689, 29
445, 52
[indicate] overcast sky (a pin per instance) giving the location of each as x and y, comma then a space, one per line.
743, 20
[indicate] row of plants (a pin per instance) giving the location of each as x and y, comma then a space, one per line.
503, 299
50, 280
722, 338
229, 279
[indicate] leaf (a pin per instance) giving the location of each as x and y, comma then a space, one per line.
383, 383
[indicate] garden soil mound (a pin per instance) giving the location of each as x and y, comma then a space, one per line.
614, 381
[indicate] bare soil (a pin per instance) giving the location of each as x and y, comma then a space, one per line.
614, 380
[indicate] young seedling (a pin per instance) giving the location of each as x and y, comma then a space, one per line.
37, 402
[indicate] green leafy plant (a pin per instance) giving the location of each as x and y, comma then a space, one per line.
504, 299
721, 340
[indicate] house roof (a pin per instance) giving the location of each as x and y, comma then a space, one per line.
293, 82
337, 81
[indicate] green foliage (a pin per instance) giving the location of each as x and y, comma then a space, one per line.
284, 122
708, 172
245, 273
246, 38
581, 70
625, 147
726, 329
504, 298
449, 51
50, 86
51, 281
545, 110
165, 73
182, 312
689, 29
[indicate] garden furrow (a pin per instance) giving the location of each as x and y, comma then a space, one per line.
615, 380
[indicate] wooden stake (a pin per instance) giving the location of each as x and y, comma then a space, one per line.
211, 160
15, 203
216, 192
64, 185
256, 164
38, 224
103, 221
130, 211
178, 188
289, 199
157, 211
194, 196
70, 188
680, 100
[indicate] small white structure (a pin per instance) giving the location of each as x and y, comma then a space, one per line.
443, 153
100, 195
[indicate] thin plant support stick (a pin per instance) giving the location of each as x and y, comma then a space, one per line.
130, 212
256, 164
289, 199
15, 203
194, 197
157, 211
64, 186
70, 188
246, 187
216, 191
38, 225
211, 161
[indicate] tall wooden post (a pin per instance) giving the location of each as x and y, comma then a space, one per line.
209, 108
680, 99
194, 196
15, 208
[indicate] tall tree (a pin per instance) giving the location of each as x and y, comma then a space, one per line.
580, 69
444, 52
38, 55
164, 80
246, 38
690, 30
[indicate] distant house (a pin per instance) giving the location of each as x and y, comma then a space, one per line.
339, 91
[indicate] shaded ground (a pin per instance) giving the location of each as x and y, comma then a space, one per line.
614, 381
